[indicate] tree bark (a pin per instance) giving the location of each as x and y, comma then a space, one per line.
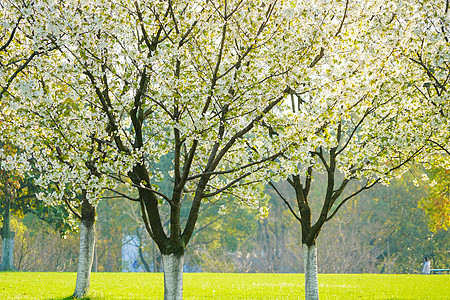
173, 276
7, 235
7, 253
87, 245
157, 260
85, 259
311, 278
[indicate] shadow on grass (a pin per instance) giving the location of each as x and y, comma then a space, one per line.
70, 298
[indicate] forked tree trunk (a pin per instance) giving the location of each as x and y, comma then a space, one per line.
173, 276
87, 245
311, 278
7, 235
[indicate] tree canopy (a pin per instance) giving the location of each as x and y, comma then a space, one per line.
96, 93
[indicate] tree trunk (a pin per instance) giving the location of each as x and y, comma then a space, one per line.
157, 260
7, 252
7, 242
311, 278
143, 260
95, 263
173, 276
87, 246
85, 258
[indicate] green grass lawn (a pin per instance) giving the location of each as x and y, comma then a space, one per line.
18, 285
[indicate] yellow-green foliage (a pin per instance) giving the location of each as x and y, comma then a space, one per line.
437, 204
227, 286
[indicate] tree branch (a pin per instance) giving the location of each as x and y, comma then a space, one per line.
343, 19
440, 146
227, 186
20, 69
11, 36
365, 187
286, 202
78, 216
122, 195
145, 218
276, 155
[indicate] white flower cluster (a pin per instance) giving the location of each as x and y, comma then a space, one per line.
238, 97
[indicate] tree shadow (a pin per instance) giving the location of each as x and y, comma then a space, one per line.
70, 298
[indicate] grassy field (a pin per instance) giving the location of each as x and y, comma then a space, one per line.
19, 285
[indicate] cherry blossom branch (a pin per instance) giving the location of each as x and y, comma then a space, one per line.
239, 134
11, 36
343, 19
440, 146
20, 69
272, 157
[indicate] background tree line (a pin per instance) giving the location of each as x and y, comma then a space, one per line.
384, 230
